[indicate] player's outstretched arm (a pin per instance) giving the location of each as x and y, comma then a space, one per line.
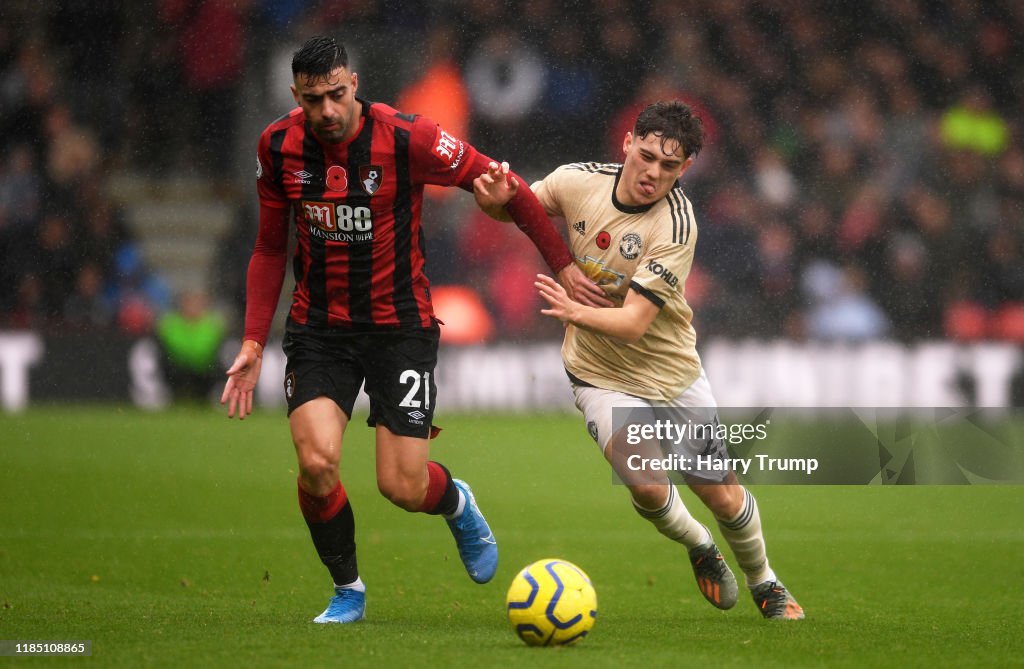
493, 189
242, 377
627, 323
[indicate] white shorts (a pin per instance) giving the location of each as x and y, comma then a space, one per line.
597, 405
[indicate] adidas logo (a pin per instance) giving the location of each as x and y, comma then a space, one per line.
580, 227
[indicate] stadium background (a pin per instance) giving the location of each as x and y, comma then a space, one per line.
863, 180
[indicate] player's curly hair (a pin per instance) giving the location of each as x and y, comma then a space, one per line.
318, 57
672, 119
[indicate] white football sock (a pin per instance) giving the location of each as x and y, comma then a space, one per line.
743, 533
356, 585
675, 522
459, 508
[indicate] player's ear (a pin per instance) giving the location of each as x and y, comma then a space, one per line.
686, 165
627, 142
355, 82
295, 93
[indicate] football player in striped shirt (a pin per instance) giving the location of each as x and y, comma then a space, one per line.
351, 173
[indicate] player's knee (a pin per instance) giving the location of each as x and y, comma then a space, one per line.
649, 496
320, 472
724, 501
405, 493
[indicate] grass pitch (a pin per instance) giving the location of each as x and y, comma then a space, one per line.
174, 539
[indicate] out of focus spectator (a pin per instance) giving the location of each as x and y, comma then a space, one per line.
84, 308
73, 154
21, 190
974, 125
212, 50
841, 309
911, 300
55, 255
89, 34
439, 93
505, 78
137, 295
190, 337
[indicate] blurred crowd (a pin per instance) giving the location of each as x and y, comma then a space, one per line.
863, 175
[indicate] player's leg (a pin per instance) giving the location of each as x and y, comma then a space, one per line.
666, 511
320, 390
411, 481
403, 470
654, 498
734, 508
400, 383
736, 512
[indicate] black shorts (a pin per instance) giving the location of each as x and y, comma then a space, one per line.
397, 366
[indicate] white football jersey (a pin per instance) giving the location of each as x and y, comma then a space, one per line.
647, 248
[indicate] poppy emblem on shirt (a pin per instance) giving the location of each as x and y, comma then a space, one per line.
603, 240
337, 178
370, 177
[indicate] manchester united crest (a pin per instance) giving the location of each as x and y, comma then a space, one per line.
630, 245
370, 177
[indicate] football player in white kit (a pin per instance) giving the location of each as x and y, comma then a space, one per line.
633, 231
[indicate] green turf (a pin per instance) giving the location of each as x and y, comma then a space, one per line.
174, 539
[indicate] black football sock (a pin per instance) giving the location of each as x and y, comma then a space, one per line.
442, 496
332, 526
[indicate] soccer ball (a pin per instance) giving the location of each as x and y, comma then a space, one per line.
551, 603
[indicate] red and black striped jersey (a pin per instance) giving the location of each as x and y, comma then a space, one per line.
359, 258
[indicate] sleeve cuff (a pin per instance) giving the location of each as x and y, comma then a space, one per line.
650, 295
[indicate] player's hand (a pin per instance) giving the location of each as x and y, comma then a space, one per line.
561, 306
582, 289
494, 189
242, 377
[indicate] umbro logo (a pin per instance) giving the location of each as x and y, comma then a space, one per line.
580, 227
302, 176
417, 415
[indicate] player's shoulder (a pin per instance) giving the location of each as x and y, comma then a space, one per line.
677, 210
388, 115
583, 173
605, 169
295, 118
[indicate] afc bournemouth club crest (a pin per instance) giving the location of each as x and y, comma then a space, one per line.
370, 177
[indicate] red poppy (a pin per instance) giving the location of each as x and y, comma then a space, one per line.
337, 178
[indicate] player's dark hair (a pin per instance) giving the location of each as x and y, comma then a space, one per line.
318, 57
672, 120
